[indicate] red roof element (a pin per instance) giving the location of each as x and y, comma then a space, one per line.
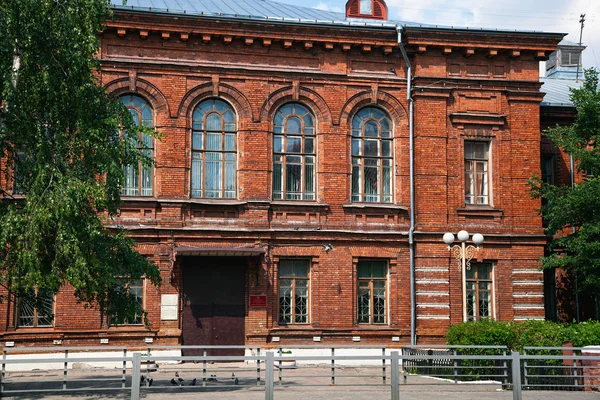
377, 10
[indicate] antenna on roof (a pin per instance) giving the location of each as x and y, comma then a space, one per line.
581, 21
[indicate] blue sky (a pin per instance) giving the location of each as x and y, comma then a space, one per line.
544, 15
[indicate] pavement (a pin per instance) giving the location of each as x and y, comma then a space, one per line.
303, 383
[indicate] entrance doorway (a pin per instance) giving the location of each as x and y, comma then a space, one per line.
214, 304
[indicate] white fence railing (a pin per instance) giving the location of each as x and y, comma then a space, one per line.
453, 364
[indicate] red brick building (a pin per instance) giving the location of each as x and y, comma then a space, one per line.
284, 209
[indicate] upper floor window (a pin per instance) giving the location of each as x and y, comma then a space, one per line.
35, 315
372, 157
479, 291
366, 7
19, 172
294, 150
376, 9
138, 178
372, 292
214, 150
476, 172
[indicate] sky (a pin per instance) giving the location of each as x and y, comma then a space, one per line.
540, 15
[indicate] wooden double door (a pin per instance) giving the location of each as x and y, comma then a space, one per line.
214, 296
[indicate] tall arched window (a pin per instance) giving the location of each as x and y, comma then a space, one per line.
294, 148
138, 178
214, 150
372, 157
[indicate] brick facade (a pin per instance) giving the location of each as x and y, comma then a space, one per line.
477, 86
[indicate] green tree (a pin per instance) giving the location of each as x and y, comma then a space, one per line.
63, 147
573, 214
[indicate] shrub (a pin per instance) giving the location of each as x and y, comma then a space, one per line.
516, 335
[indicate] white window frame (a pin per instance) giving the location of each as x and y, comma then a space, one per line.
293, 305
488, 175
492, 300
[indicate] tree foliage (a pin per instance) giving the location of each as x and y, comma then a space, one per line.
573, 214
63, 149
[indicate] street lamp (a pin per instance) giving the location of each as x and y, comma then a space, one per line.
463, 254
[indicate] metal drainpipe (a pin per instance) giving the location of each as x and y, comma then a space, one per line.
411, 230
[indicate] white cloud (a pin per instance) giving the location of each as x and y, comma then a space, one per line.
548, 15
328, 7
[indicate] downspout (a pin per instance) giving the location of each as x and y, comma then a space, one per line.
411, 230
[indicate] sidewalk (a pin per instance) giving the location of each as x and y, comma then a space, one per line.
304, 383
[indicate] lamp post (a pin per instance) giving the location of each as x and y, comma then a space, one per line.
463, 254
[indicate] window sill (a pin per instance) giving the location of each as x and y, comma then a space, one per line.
483, 210
216, 202
293, 327
296, 203
374, 327
376, 206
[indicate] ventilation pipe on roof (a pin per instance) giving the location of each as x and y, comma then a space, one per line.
411, 230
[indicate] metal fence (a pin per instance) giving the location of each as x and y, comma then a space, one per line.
389, 369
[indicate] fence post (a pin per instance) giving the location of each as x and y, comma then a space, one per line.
383, 363
395, 379
258, 367
505, 370
65, 369
280, 351
124, 377
516, 375
135, 376
204, 368
575, 383
269, 365
2, 374
332, 366
455, 363
525, 382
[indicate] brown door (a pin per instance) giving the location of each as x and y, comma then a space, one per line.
214, 303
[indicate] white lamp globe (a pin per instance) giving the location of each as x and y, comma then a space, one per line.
448, 238
477, 239
463, 236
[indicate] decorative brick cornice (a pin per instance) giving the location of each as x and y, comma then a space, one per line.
223, 90
139, 86
390, 103
309, 97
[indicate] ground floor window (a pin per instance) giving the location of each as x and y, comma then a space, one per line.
293, 291
32, 313
372, 292
135, 288
479, 292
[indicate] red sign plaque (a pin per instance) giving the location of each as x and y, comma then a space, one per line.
258, 301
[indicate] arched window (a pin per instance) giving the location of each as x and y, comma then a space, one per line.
138, 178
372, 158
214, 150
294, 139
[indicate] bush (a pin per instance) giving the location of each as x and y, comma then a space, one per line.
516, 335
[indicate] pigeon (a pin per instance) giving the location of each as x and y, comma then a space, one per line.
173, 382
142, 379
179, 379
193, 382
232, 376
150, 382
237, 381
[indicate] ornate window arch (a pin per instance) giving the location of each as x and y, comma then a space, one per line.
372, 156
214, 150
139, 178
294, 153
